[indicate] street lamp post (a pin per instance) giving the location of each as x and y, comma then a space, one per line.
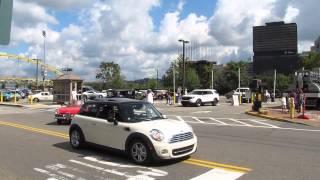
183, 63
44, 58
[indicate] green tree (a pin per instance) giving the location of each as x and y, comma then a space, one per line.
192, 79
311, 61
109, 73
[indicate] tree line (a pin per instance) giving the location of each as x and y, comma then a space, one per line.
225, 77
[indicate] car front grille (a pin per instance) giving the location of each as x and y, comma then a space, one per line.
181, 137
183, 150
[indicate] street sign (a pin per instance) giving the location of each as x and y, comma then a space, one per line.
5, 21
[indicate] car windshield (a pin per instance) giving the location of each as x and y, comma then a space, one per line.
196, 92
139, 111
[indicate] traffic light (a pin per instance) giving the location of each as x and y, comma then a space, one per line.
5, 21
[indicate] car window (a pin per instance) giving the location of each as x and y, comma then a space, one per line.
196, 92
42, 94
209, 92
108, 112
89, 110
138, 111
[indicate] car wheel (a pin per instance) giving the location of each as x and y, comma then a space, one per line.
198, 103
215, 102
76, 138
139, 152
36, 100
59, 121
100, 96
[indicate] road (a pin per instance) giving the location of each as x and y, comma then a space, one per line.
232, 145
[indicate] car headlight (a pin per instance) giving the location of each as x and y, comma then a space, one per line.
156, 135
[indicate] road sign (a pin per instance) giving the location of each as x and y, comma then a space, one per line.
5, 21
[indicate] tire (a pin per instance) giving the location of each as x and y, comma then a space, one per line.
215, 102
36, 100
198, 103
59, 121
76, 138
139, 152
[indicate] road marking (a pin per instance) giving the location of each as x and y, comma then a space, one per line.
195, 118
259, 122
240, 122
219, 174
200, 112
201, 163
52, 175
43, 131
180, 118
219, 165
222, 123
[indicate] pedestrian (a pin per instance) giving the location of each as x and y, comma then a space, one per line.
284, 103
149, 96
168, 98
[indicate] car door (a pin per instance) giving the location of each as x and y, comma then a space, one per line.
109, 133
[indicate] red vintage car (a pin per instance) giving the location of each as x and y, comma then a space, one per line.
65, 114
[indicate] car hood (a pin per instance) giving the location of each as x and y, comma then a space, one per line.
168, 127
69, 110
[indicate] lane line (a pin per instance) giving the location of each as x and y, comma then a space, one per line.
270, 125
201, 163
240, 122
222, 123
180, 118
220, 165
195, 118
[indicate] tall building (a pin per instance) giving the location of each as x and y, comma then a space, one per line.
275, 47
316, 47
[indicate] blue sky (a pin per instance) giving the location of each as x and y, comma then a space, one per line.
84, 33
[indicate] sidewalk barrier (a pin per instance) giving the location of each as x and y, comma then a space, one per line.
292, 107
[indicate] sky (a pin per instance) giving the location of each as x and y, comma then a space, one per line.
142, 35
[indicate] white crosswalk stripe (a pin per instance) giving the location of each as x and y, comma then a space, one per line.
225, 121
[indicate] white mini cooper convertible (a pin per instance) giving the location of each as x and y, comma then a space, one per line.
133, 126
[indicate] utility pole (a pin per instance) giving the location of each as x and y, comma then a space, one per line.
274, 82
174, 84
44, 58
157, 79
212, 78
183, 62
239, 78
37, 73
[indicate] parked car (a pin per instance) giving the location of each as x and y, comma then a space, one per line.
93, 94
133, 126
9, 96
245, 93
41, 96
19, 93
66, 113
200, 97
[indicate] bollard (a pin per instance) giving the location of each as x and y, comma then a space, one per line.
292, 108
174, 99
1, 97
240, 100
252, 98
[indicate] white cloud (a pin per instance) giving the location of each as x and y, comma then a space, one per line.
123, 31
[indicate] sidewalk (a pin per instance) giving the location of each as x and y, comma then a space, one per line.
275, 113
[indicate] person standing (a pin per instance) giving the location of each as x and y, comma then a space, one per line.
149, 96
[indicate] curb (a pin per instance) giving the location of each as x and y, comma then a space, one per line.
274, 118
14, 105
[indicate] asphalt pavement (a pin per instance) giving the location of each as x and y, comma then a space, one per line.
232, 145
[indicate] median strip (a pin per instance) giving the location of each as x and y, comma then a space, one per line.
197, 162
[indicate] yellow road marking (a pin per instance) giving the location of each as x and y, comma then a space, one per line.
197, 162
43, 131
238, 168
